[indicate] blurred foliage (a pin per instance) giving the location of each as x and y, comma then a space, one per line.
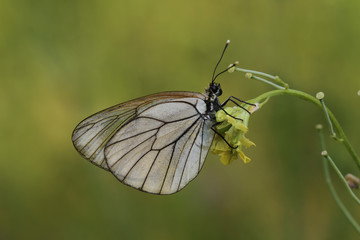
61, 61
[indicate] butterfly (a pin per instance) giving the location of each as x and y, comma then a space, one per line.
157, 143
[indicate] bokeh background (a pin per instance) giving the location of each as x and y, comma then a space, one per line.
61, 61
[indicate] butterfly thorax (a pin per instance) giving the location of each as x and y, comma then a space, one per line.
212, 101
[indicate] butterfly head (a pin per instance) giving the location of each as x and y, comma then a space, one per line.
215, 89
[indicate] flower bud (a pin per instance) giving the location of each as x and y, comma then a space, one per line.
248, 75
320, 95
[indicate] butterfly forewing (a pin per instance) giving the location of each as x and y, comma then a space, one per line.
91, 135
156, 143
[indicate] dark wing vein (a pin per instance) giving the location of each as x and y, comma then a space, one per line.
132, 167
177, 139
131, 150
152, 164
90, 124
201, 145
177, 164
187, 158
167, 170
136, 135
107, 126
178, 101
101, 119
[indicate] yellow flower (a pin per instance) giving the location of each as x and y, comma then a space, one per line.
233, 130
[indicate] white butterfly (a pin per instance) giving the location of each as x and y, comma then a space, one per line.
157, 143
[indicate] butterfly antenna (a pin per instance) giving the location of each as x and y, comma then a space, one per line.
231, 66
222, 54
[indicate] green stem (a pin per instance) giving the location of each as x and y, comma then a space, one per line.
255, 72
275, 80
333, 134
265, 96
267, 81
333, 165
338, 172
336, 197
326, 160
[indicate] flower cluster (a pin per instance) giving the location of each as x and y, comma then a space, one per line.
233, 130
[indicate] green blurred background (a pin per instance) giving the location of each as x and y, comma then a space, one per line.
61, 61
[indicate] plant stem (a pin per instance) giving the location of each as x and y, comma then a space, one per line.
326, 160
265, 96
333, 134
333, 165
335, 128
336, 197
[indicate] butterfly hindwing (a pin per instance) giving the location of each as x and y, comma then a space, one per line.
163, 148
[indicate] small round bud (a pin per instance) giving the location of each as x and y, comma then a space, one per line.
318, 126
231, 69
320, 95
324, 153
248, 75
359, 93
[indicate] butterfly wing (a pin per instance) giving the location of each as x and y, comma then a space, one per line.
164, 147
91, 135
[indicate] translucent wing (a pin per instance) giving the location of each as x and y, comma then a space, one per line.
163, 148
91, 135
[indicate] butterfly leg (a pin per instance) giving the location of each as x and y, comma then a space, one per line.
221, 107
240, 101
230, 99
212, 128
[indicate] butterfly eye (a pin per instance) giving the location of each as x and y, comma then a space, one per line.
219, 92
216, 89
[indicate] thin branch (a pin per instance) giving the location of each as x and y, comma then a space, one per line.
326, 160
265, 96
